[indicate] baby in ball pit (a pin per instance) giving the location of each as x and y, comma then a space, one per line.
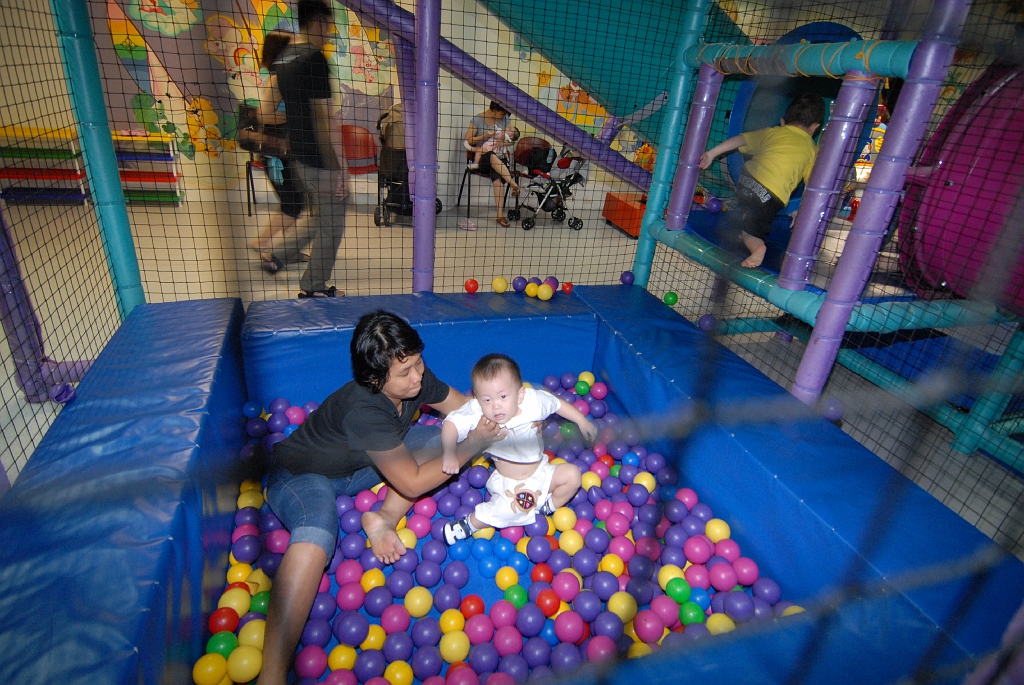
523, 482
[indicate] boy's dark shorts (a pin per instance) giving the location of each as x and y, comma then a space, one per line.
757, 208
293, 199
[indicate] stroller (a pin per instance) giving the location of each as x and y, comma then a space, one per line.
393, 170
551, 178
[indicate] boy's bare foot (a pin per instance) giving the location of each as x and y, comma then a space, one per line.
450, 465
755, 258
383, 537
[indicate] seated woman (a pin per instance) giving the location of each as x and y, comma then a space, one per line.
481, 128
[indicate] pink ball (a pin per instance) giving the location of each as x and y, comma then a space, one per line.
687, 497
479, 628
296, 415
243, 530
426, 506
348, 571
666, 609
508, 640
649, 547
378, 680
599, 648
395, 619
746, 570
350, 597
569, 627
311, 662
622, 546
382, 493
277, 541
723, 576
599, 390
462, 676
432, 680
599, 448
697, 551
626, 509
513, 533
623, 582
503, 613
419, 525
697, 576
501, 679
663, 525
583, 526
566, 586
648, 626
600, 468
603, 509
617, 524
325, 583
706, 539
582, 406
341, 677
728, 548
365, 500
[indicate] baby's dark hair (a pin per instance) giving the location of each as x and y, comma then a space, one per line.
494, 364
311, 10
496, 106
515, 134
805, 109
379, 338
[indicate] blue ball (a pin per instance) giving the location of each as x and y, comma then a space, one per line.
481, 548
251, 410
503, 548
631, 459
489, 566
701, 597
289, 429
460, 550
548, 633
519, 562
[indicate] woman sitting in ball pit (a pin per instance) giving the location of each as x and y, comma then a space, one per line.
359, 436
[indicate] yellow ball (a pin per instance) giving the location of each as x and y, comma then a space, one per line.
591, 479
231, 559
586, 377
562, 608
398, 673
238, 573
719, 623
790, 610
564, 518
623, 605
418, 602
244, 663
667, 573
531, 289
372, 578
250, 498
521, 545
374, 638
481, 461
551, 526
647, 480
376, 488
575, 573
506, 578
630, 630
249, 485
227, 680
612, 563
454, 646
408, 538
558, 460
210, 669
499, 285
484, 533
261, 579
637, 649
252, 633
545, 291
402, 523
341, 657
571, 541
236, 598
717, 529
452, 620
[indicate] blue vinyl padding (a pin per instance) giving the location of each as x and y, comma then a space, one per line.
107, 532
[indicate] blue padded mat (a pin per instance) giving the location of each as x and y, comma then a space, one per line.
104, 528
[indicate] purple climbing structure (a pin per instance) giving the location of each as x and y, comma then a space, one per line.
428, 37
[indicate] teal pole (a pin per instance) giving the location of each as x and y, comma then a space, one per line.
993, 402
878, 57
671, 134
85, 88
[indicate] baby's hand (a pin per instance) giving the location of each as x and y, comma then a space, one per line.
706, 159
589, 430
449, 464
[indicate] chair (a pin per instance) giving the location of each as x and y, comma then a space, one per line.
467, 182
360, 149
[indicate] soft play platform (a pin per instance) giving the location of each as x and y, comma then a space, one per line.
105, 534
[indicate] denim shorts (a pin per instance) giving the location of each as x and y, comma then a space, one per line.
305, 503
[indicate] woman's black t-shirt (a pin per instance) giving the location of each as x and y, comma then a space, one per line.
334, 439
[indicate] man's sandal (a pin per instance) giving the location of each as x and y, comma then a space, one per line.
329, 292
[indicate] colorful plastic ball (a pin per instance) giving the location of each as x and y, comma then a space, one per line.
317, 631
505, 577
516, 594
638, 650
479, 628
399, 672
600, 648
223, 619
613, 564
569, 627
586, 561
428, 573
471, 285
690, 613
508, 640
499, 284
671, 299
252, 633
538, 549
697, 550
461, 676
311, 662
713, 205
418, 602
481, 548
707, 323
564, 519
627, 278
719, 623
530, 620
341, 657
471, 606
452, 620
648, 625
738, 605
531, 289
565, 658
549, 602
237, 599
369, 664
678, 589
537, 652
461, 550
483, 657
454, 646
623, 605
746, 570
502, 613
567, 287
767, 589
519, 284
545, 292
223, 643
351, 628
426, 662
571, 542
832, 409
210, 669
245, 663
566, 586
722, 576
667, 610
488, 566
730, 550
426, 631
717, 529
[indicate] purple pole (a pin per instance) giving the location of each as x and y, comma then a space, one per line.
928, 68
397, 21
702, 111
428, 37
35, 372
834, 155
610, 129
406, 62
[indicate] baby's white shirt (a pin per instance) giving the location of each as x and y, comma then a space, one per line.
523, 444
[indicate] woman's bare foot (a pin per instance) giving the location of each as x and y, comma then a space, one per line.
383, 537
755, 258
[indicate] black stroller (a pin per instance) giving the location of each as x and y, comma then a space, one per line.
393, 196
547, 180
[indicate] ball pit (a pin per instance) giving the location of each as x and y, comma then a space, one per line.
631, 563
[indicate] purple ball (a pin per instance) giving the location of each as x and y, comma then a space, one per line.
642, 530
247, 515
655, 462
668, 476
428, 573
397, 647
516, 666
247, 548
343, 503
718, 603
673, 555
609, 625
696, 631
269, 562
715, 559
407, 562
587, 604
568, 380
352, 545
370, 663
484, 657
588, 457
559, 560
437, 528
436, 551
617, 448
611, 485
551, 428
702, 511
584, 509
598, 408
626, 278
310, 407
447, 596
427, 662
367, 560
256, 427
707, 323
676, 511
352, 521
637, 495
580, 497
738, 605
762, 609
277, 422
640, 567
535, 589
530, 619
605, 584
535, 281
317, 631
565, 658
642, 590
250, 616
278, 405
426, 632
477, 476
650, 513
767, 589
691, 525
519, 284
448, 504
351, 628
595, 494
456, 574
270, 440
551, 383
585, 562
538, 549
676, 536
537, 652
627, 473
399, 583
377, 600
324, 606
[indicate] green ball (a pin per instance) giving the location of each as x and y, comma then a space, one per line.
690, 612
671, 298
600, 524
517, 595
582, 388
679, 590
615, 470
260, 601
222, 643
569, 430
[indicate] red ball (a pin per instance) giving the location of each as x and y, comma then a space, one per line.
542, 572
607, 459
567, 287
238, 584
471, 606
472, 286
549, 602
223, 619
